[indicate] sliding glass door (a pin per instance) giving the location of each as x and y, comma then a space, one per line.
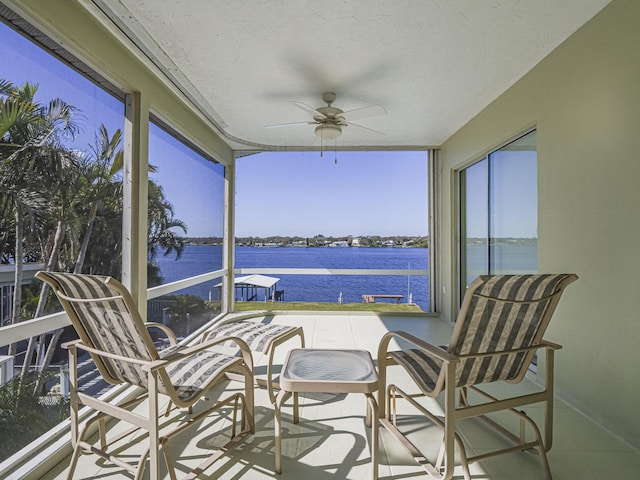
499, 212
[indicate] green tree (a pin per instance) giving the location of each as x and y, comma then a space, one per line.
88, 185
102, 170
29, 134
161, 232
24, 416
63, 192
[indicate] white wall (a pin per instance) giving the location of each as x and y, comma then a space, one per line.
584, 99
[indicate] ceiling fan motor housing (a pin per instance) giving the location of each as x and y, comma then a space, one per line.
330, 120
329, 97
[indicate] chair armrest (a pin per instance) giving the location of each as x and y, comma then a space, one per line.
167, 331
449, 362
102, 353
497, 353
433, 350
551, 345
188, 351
175, 356
70, 343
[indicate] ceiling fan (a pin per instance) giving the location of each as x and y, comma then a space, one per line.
330, 120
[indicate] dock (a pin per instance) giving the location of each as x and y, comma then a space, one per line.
373, 298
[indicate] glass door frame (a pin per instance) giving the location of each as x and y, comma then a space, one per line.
459, 261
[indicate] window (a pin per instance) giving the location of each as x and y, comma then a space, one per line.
70, 212
348, 210
186, 222
498, 212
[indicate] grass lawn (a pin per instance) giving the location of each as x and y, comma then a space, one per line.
329, 307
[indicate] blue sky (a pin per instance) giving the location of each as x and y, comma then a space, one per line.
22, 61
193, 185
364, 193
512, 210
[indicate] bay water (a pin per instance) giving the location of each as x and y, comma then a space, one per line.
198, 259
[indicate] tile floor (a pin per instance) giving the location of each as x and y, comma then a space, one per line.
331, 440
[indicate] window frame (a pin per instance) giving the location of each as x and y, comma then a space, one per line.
459, 210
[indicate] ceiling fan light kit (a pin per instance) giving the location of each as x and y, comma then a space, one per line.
328, 132
330, 120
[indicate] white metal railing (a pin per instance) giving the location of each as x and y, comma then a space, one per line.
328, 271
37, 326
168, 288
32, 328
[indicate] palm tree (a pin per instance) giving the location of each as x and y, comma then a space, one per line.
63, 194
27, 130
60, 192
101, 171
159, 232
90, 184
6, 226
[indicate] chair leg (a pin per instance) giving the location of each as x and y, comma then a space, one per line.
154, 427
519, 442
73, 393
545, 462
449, 422
445, 456
270, 383
249, 407
272, 397
73, 407
372, 421
168, 457
234, 417
74, 461
463, 457
277, 417
542, 451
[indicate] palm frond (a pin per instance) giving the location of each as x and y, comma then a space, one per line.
6, 87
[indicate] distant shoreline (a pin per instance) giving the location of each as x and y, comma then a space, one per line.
372, 241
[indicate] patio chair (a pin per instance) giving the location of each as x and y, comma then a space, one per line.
261, 337
498, 331
111, 330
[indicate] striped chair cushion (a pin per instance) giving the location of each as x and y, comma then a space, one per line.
505, 312
423, 368
259, 336
108, 324
111, 326
194, 375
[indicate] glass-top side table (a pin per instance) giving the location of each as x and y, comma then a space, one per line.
328, 371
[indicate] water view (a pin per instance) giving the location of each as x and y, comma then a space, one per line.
313, 288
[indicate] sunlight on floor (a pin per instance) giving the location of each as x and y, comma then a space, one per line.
331, 440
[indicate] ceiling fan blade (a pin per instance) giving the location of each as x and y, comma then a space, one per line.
306, 108
364, 112
294, 124
351, 124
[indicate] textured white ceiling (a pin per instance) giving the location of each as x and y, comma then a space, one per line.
433, 64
